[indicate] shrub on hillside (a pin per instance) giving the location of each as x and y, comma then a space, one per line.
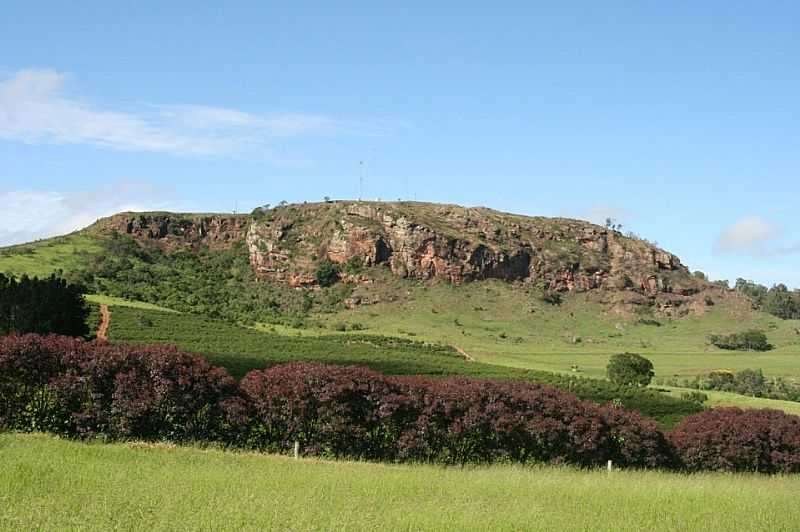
731, 439
327, 272
752, 340
695, 397
551, 297
630, 369
750, 382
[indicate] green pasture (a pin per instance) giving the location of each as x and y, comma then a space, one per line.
119, 302
51, 484
66, 253
509, 325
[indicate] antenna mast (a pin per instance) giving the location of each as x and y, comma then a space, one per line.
360, 180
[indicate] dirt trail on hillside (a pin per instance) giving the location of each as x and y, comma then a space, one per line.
105, 320
464, 354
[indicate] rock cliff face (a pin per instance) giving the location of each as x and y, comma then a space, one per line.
170, 231
457, 244
422, 241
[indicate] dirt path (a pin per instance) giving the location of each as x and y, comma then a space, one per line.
464, 354
105, 320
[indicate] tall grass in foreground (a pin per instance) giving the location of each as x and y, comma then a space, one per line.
52, 484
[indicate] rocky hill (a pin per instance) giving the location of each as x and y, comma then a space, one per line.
430, 242
171, 231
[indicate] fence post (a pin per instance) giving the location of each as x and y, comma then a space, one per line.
297, 450
610, 465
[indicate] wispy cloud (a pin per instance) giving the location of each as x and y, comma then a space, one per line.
34, 109
754, 235
599, 213
33, 214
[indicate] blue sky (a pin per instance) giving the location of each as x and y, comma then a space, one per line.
680, 119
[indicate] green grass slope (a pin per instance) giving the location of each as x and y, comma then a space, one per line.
506, 324
66, 253
243, 349
49, 484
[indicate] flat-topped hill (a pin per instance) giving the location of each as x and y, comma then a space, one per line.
422, 241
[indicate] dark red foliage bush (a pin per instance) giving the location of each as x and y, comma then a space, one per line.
461, 421
355, 412
87, 389
329, 410
28, 363
731, 439
636, 441
80, 388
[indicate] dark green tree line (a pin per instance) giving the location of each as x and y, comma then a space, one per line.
43, 306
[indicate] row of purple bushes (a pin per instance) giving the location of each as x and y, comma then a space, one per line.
85, 389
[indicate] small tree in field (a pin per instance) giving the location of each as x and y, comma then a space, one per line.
630, 369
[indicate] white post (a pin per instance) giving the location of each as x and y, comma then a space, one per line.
610, 465
297, 451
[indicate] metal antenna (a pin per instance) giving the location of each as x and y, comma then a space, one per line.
360, 180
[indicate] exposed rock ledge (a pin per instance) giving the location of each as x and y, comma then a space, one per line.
423, 241
457, 244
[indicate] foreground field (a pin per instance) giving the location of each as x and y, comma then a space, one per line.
57, 485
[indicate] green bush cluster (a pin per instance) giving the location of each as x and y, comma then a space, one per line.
219, 284
327, 273
750, 382
752, 340
630, 369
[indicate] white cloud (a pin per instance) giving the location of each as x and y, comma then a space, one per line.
33, 109
599, 213
750, 234
33, 214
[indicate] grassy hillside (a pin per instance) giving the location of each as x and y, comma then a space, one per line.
119, 302
243, 349
67, 253
57, 485
507, 324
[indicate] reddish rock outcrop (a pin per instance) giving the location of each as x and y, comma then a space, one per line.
430, 242
170, 230
457, 244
